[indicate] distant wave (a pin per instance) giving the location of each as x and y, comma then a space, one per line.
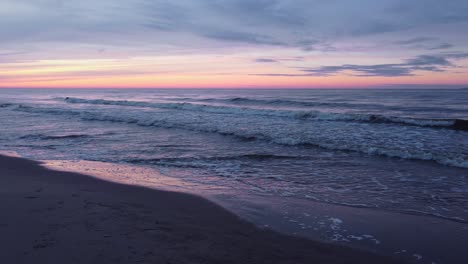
5, 105
245, 100
457, 124
457, 161
297, 103
45, 137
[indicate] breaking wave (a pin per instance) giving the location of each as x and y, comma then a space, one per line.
457, 124
281, 136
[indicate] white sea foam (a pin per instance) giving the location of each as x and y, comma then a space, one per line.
347, 137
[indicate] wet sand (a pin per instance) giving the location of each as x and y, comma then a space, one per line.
61, 217
412, 237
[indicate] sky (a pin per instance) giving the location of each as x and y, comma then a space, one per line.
234, 43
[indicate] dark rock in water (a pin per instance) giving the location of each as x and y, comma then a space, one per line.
67, 98
460, 124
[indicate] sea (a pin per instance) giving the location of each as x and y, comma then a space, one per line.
402, 151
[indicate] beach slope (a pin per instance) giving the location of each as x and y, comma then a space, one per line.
60, 217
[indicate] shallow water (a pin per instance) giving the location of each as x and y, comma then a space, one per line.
391, 150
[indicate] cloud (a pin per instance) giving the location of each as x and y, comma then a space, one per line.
377, 27
441, 46
414, 40
5, 54
423, 86
262, 12
280, 74
427, 60
432, 63
269, 29
262, 22
74, 75
387, 70
265, 60
251, 38
424, 43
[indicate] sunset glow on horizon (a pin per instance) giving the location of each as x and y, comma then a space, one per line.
233, 44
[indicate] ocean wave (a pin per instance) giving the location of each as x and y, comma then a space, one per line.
5, 105
214, 158
457, 124
277, 137
283, 102
299, 103
48, 137
44, 110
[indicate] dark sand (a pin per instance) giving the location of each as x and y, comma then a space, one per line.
61, 217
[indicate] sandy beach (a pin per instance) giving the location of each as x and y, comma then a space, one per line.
61, 217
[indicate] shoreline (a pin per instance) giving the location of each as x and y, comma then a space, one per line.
63, 217
416, 238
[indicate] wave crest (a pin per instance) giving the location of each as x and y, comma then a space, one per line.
457, 124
